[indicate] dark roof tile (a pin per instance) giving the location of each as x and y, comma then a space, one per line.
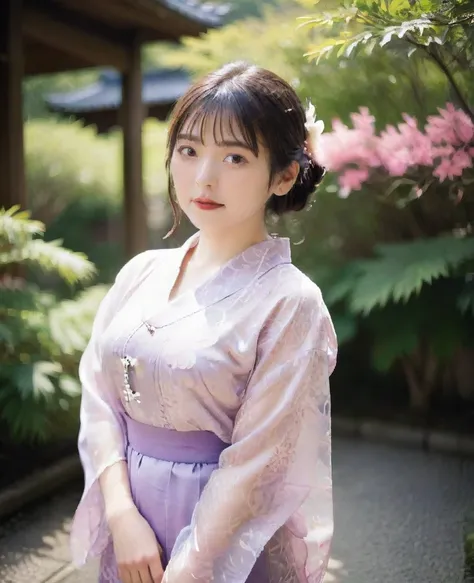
160, 86
206, 12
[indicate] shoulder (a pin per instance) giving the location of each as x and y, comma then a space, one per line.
287, 288
137, 269
296, 307
138, 264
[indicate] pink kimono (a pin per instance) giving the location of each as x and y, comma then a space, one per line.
219, 401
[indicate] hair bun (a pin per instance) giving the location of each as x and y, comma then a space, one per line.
310, 175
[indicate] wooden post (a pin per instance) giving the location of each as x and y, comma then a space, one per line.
12, 166
135, 215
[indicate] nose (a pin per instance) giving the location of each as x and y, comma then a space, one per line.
206, 173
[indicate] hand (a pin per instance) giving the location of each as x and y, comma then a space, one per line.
136, 549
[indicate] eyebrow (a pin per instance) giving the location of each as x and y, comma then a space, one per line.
223, 143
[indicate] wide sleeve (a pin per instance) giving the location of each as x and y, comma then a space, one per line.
101, 440
272, 491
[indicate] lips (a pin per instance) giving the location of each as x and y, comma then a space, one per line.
206, 203
204, 200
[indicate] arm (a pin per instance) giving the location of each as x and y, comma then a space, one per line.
115, 488
274, 481
101, 436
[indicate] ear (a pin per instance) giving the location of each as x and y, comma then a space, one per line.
285, 180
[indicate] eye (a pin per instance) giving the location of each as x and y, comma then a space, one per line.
236, 159
187, 151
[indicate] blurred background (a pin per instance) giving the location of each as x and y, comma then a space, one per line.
86, 92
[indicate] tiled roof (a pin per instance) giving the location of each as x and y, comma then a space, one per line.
160, 86
205, 12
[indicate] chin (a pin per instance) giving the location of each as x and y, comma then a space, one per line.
208, 220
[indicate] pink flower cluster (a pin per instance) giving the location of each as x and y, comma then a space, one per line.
446, 146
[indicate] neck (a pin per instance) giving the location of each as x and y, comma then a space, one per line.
217, 248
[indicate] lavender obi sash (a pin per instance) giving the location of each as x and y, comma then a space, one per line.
174, 446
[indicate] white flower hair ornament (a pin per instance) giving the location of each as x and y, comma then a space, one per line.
314, 128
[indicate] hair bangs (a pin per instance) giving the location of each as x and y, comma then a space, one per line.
231, 117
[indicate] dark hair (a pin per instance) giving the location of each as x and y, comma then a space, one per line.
263, 107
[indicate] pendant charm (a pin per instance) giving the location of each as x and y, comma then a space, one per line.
129, 393
151, 329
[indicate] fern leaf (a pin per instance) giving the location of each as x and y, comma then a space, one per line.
70, 386
38, 394
16, 226
25, 423
405, 326
400, 270
18, 299
71, 266
36, 380
37, 401
19, 243
341, 285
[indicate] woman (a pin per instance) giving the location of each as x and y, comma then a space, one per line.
205, 421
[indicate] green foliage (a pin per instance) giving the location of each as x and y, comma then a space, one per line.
240, 9
381, 81
369, 23
230, 42
412, 287
69, 321
67, 162
17, 229
94, 227
35, 88
427, 317
407, 293
41, 338
261, 41
441, 32
74, 182
33, 397
427, 322
466, 298
18, 244
400, 270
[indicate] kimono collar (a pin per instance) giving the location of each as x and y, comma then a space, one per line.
245, 267
279, 245
240, 272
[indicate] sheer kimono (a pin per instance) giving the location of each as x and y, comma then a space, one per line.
246, 356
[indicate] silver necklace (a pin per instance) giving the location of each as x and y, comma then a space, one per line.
128, 363
151, 329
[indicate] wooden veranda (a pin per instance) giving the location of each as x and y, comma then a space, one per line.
49, 36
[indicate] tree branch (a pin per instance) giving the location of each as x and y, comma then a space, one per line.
442, 65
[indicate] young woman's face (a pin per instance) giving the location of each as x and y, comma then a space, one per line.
220, 184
